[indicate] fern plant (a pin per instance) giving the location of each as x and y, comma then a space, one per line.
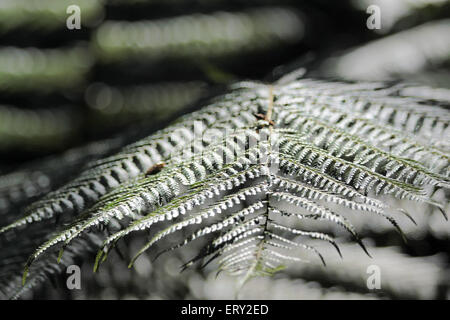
214, 35
45, 14
426, 42
47, 70
245, 172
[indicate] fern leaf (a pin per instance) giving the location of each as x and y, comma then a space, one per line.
243, 172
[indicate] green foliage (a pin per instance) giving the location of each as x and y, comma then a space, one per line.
244, 171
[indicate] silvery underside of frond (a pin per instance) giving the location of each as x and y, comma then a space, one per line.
260, 174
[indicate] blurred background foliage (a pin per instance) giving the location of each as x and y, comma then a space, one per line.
71, 96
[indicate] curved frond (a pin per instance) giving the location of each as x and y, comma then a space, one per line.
244, 173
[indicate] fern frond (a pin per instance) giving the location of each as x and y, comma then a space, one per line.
48, 128
47, 70
20, 187
427, 43
180, 37
44, 14
107, 174
245, 172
